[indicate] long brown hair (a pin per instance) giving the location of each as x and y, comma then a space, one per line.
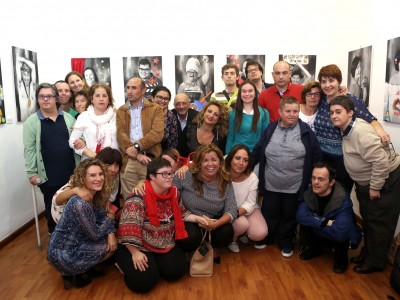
239, 108
222, 179
222, 126
78, 180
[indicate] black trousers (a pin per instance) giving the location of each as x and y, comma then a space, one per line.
220, 237
279, 211
311, 242
171, 266
380, 218
48, 193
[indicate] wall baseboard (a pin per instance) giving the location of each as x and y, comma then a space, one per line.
19, 231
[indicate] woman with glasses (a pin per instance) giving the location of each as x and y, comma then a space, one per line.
209, 199
162, 95
148, 230
329, 137
311, 95
375, 168
97, 125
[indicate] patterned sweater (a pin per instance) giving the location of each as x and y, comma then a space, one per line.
135, 228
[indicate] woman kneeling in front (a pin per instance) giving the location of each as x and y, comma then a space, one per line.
148, 228
84, 235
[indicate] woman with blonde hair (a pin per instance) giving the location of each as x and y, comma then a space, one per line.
209, 199
85, 234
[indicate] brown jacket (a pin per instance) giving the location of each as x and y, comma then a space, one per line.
152, 126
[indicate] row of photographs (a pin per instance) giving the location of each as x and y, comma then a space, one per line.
194, 75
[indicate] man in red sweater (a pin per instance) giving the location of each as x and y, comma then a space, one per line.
271, 97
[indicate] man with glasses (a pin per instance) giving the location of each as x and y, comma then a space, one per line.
49, 161
148, 77
140, 130
185, 116
271, 97
375, 168
254, 73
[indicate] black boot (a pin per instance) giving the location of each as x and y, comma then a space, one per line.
78, 281
340, 257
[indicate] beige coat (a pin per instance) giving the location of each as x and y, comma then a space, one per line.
152, 118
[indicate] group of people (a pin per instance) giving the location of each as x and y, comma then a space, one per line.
151, 180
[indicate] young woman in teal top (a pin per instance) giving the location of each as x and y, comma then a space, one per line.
248, 121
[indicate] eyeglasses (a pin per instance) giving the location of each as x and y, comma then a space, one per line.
392, 152
46, 97
161, 98
253, 70
166, 174
313, 95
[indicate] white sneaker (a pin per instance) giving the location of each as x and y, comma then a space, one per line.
234, 247
287, 253
244, 239
260, 246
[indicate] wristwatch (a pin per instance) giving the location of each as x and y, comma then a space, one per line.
137, 146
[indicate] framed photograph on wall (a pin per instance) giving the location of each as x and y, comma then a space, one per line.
94, 70
359, 73
303, 67
2, 110
392, 82
26, 80
241, 62
194, 76
148, 68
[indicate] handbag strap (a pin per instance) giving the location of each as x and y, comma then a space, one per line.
205, 235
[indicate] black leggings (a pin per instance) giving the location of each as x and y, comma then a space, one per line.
220, 237
171, 266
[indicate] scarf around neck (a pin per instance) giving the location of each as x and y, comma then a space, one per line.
104, 126
150, 200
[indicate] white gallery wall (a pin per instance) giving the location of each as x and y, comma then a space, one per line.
59, 30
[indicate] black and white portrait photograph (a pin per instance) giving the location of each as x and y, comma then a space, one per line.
94, 70
359, 73
25, 80
303, 67
241, 62
2, 110
194, 76
148, 68
392, 90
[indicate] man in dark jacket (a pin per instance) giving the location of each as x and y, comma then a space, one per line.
327, 219
185, 116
